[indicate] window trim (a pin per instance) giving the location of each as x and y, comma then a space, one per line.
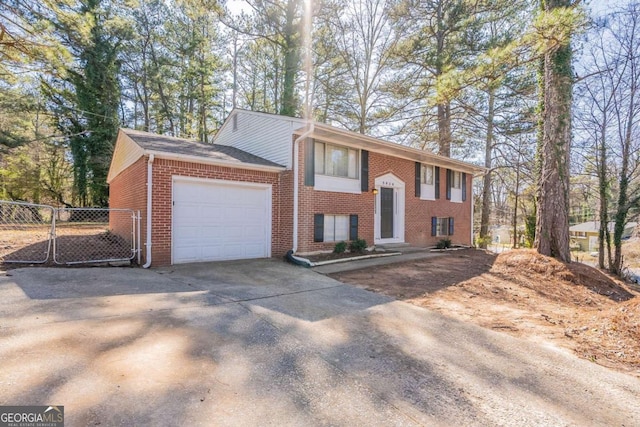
423, 174
323, 169
347, 224
457, 180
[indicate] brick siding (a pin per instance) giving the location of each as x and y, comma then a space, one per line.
128, 190
418, 212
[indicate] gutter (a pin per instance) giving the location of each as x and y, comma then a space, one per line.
296, 181
149, 204
214, 162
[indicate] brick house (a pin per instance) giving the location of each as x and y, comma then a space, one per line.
270, 184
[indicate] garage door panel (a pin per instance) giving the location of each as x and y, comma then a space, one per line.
254, 251
211, 212
188, 233
220, 221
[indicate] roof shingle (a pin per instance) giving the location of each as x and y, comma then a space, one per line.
181, 146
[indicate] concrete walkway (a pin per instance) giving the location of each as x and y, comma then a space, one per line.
265, 343
407, 254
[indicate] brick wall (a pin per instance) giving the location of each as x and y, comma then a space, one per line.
129, 191
163, 170
418, 212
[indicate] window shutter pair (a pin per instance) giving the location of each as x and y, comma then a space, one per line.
436, 179
434, 226
318, 227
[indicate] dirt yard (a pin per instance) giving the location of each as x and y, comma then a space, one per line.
524, 294
75, 242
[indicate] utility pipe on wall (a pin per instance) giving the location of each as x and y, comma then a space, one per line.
149, 200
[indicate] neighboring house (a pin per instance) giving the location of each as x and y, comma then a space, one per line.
585, 235
270, 184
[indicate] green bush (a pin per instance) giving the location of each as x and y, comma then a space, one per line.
443, 244
530, 230
358, 246
340, 248
483, 242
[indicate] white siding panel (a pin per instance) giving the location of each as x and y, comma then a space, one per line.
125, 154
263, 135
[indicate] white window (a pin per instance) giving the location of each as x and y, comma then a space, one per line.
334, 160
427, 174
442, 227
336, 228
457, 179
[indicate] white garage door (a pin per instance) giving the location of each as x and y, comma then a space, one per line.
220, 220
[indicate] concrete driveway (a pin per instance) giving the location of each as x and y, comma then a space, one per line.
266, 343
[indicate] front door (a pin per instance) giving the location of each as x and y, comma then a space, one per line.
386, 213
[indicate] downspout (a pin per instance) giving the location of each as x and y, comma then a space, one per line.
472, 244
149, 200
296, 182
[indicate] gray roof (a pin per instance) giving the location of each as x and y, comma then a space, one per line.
594, 226
186, 147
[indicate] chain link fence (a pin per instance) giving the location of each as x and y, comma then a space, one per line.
83, 235
25, 232
41, 234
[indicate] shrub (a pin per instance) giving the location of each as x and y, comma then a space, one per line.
358, 246
483, 242
443, 244
530, 230
340, 248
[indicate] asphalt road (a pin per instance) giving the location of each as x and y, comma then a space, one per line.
266, 343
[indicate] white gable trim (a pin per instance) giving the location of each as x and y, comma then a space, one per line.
126, 153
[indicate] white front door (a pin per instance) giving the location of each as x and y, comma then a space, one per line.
220, 220
389, 210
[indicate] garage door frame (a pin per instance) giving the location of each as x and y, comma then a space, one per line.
257, 185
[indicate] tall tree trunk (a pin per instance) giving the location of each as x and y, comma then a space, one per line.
552, 222
515, 205
623, 195
291, 62
603, 190
486, 191
444, 129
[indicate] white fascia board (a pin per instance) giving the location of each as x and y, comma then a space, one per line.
215, 162
340, 136
126, 153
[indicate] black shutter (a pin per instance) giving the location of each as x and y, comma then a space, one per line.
434, 226
318, 227
449, 173
364, 171
450, 226
464, 186
436, 181
418, 178
309, 163
353, 227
